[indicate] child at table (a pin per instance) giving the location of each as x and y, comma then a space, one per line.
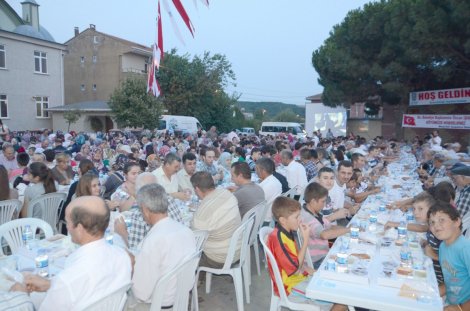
321, 228
454, 255
421, 205
289, 259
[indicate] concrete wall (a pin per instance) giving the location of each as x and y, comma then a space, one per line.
106, 73
20, 83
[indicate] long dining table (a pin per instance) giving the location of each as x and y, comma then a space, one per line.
365, 269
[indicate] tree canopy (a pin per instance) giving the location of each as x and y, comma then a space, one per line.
133, 106
381, 52
195, 87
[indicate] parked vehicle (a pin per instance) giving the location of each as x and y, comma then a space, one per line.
276, 128
178, 124
248, 131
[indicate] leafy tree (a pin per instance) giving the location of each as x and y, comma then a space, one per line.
380, 53
71, 117
133, 106
195, 87
287, 116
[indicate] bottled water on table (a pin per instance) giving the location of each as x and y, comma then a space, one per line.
402, 230
27, 236
410, 217
109, 236
42, 263
354, 231
405, 256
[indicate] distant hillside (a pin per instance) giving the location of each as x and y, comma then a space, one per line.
272, 108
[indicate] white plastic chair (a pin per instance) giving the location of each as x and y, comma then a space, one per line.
50, 205
308, 258
185, 281
12, 231
247, 267
231, 266
261, 211
466, 225
7, 209
282, 300
201, 238
112, 302
291, 193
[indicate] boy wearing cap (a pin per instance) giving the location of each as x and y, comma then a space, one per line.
461, 178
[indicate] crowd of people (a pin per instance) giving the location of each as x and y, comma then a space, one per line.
147, 174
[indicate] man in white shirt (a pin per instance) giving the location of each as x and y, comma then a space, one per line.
338, 192
271, 185
8, 157
94, 270
166, 245
166, 176
295, 172
436, 141
184, 174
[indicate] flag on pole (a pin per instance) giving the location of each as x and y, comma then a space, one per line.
153, 85
180, 8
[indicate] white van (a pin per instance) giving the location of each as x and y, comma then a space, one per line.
178, 125
276, 128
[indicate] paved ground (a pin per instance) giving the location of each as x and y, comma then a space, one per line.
222, 295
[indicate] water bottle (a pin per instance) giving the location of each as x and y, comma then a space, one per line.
405, 256
402, 230
27, 236
354, 231
109, 236
42, 263
342, 260
410, 217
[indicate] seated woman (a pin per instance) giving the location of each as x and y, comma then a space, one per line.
63, 172
356, 190
6, 193
40, 176
96, 156
124, 196
89, 184
224, 164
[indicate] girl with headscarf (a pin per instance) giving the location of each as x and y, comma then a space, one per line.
225, 162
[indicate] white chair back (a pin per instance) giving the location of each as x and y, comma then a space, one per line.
49, 206
201, 238
291, 193
185, 274
282, 300
239, 240
308, 258
12, 231
7, 209
112, 302
466, 225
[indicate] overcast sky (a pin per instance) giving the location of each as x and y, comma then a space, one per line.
268, 42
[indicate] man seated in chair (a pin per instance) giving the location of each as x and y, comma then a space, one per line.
218, 213
289, 259
93, 271
167, 243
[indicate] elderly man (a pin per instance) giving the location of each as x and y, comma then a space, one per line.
271, 185
295, 172
94, 270
218, 213
166, 176
206, 164
167, 243
247, 193
138, 228
461, 178
8, 157
188, 170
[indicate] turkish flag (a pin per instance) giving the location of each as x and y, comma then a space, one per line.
408, 120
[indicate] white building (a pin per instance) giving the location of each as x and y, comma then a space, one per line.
31, 69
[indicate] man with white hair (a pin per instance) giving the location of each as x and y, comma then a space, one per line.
461, 178
138, 227
167, 244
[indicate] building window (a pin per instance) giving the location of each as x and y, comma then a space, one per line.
82, 87
94, 87
95, 40
82, 59
2, 56
42, 103
94, 59
3, 106
40, 62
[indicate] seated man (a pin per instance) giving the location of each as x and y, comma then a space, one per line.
94, 270
167, 177
218, 213
166, 245
271, 186
247, 193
